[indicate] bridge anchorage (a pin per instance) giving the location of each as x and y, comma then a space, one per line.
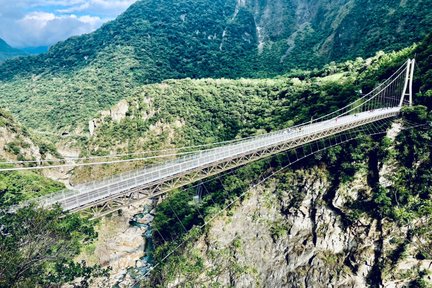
100, 198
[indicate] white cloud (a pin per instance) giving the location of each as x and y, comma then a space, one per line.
42, 28
75, 8
25, 23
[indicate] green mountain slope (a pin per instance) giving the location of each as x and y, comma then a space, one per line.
157, 40
205, 38
7, 51
181, 113
423, 76
18, 144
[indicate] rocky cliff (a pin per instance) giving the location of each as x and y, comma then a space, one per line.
304, 229
18, 144
306, 32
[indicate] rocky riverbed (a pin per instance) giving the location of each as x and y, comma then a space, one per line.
143, 264
124, 244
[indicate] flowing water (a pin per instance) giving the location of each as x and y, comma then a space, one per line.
144, 264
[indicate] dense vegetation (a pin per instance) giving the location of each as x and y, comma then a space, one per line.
423, 73
63, 102
174, 39
37, 246
180, 113
409, 197
407, 202
155, 40
18, 143
208, 111
16, 187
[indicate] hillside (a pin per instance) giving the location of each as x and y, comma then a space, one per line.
361, 220
37, 246
423, 75
35, 50
17, 144
181, 113
157, 40
7, 51
172, 39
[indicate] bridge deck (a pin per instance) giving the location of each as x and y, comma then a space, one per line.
97, 191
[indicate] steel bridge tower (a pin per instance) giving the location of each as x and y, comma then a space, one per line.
408, 86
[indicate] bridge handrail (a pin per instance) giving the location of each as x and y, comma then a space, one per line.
134, 173
396, 73
245, 142
368, 100
126, 184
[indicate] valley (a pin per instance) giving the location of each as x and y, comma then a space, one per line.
171, 78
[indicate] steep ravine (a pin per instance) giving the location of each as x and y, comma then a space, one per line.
375, 275
300, 230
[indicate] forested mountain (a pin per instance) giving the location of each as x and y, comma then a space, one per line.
355, 215
172, 39
7, 51
157, 40
35, 50
176, 112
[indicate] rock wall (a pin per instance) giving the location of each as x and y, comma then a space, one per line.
17, 144
290, 233
284, 235
120, 246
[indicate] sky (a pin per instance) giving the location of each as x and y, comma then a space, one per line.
32, 23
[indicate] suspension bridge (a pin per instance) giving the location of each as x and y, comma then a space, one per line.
105, 196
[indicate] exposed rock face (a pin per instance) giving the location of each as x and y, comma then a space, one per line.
287, 234
16, 144
302, 230
289, 238
12, 144
117, 113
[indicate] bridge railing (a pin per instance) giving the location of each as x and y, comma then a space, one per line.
198, 160
386, 94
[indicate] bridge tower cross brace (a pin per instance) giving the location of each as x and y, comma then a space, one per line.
408, 86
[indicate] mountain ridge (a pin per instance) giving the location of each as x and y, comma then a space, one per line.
157, 40
6, 51
277, 36
357, 214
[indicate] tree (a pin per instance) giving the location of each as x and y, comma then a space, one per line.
37, 248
